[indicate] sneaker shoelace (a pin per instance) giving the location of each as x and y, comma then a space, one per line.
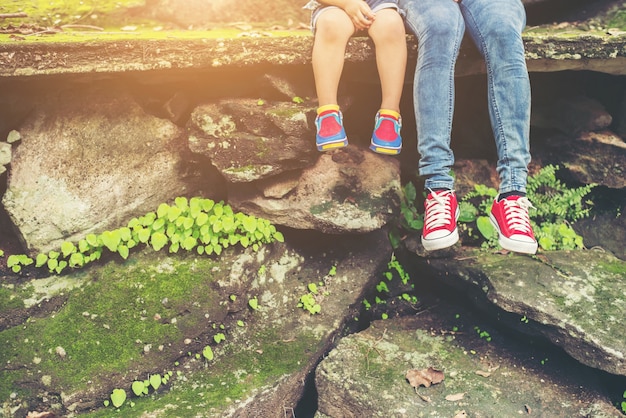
438, 210
516, 214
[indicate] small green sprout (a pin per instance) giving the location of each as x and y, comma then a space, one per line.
139, 388
155, 381
308, 303
312, 288
254, 303
482, 334
118, 397
207, 352
382, 287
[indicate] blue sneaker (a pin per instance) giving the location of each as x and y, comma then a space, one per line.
386, 137
330, 131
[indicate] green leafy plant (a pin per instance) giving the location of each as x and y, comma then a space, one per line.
624, 403
154, 381
118, 397
15, 262
199, 224
254, 303
411, 218
207, 353
394, 266
309, 301
556, 206
139, 388
482, 333
392, 289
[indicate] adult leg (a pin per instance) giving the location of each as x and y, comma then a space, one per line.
496, 27
332, 31
439, 27
387, 33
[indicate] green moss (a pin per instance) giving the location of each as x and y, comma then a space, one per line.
321, 208
48, 13
12, 298
68, 36
616, 267
104, 326
231, 376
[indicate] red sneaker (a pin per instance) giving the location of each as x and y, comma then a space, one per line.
510, 218
386, 137
440, 216
330, 131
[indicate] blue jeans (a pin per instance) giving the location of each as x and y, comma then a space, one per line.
495, 27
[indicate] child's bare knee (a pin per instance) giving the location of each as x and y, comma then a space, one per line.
387, 28
334, 24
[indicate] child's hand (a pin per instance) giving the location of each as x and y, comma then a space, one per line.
360, 13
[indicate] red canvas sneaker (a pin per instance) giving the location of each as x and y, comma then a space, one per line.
440, 216
510, 217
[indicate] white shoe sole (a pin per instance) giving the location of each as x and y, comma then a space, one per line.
441, 242
517, 246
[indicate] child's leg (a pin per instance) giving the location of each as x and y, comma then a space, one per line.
333, 28
332, 31
389, 37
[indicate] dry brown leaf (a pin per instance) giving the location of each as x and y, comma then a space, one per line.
483, 373
424, 377
455, 397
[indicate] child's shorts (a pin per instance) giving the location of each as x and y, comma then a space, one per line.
375, 5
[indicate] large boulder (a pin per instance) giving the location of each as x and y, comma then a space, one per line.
450, 374
346, 191
90, 160
588, 158
249, 139
574, 299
